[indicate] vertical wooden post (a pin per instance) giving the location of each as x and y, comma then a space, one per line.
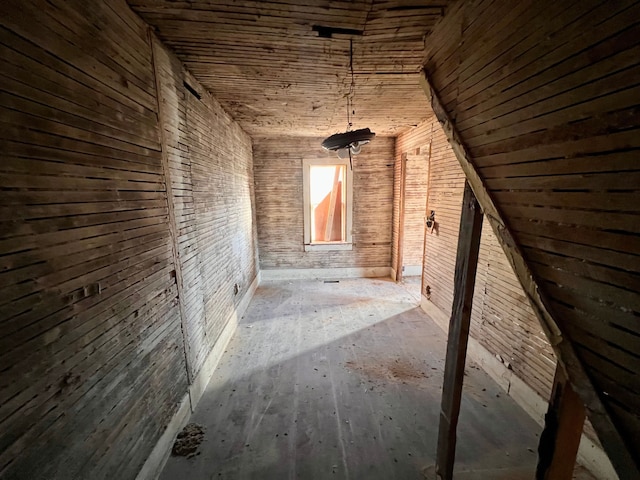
613, 440
465, 278
560, 438
163, 118
426, 212
403, 181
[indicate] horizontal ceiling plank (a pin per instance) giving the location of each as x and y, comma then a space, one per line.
274, 74
623, 161
609, 248
254, 6
598, 202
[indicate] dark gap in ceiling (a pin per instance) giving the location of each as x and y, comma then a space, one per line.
416, 7
328, 32
192, 90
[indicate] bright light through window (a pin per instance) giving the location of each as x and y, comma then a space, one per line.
327, 203
328, 198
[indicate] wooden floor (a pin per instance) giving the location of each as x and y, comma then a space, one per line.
342, 381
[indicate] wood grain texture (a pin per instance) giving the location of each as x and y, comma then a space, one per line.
502, 320
458, 335
98, 236
395, 217
89, 318
211, 174
542, 125
560, 439
413, 190
268, 67
279, 204
342, 380
401, 178
416, 143
415, 203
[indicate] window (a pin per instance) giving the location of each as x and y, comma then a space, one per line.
328, 197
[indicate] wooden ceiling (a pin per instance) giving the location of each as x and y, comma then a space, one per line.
276, 74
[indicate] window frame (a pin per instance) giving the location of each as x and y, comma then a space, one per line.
307, 163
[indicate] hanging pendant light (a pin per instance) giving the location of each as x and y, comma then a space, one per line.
353, 140
350, 142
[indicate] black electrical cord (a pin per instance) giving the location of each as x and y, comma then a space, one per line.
352, 86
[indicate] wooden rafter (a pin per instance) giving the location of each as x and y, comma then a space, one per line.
465, 279
609, 435
560, 438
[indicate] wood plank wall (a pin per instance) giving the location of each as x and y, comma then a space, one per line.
502, 320
545, 97
92, 362
415, 198
277, 76
395, 214
279, 210
415, 192
211, 173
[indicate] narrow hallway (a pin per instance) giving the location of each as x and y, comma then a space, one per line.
343, 380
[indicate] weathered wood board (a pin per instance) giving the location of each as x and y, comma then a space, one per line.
271, 69
90, 335
209, 159
279, 204
96, 220
544, 97
502, 320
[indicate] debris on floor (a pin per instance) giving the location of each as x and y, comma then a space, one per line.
188, 441
274, 410
395, 370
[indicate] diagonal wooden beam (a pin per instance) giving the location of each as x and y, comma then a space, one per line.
611, 439
560, 438
458, 336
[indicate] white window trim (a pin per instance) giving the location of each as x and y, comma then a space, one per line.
306, 173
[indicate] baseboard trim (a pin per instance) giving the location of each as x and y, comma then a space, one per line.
160, 454
590, 455
200, 382
322, 273
197, 388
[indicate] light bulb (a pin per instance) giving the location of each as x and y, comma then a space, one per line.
343, 153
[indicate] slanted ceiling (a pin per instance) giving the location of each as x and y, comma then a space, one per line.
276, 74
544, 98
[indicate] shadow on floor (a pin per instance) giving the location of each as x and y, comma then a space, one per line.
343, 381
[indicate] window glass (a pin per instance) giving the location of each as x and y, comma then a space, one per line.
327, 203
328, 198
